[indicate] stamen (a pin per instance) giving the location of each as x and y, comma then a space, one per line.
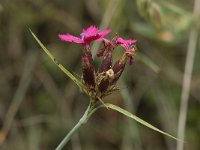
110, 74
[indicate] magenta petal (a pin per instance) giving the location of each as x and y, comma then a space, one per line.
126, 43
127, 47
133, 41
91, 30
120, 41
70, 38
89, 39
104, 33
101, 39
92, 33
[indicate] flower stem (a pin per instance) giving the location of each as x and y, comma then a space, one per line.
82, 121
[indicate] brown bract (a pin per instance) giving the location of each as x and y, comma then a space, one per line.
102, 82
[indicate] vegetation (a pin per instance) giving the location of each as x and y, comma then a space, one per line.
39, 104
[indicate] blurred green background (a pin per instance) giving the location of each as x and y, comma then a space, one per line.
39, 104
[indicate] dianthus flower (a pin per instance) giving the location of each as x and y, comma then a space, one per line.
129, 46
88, 35
101, 81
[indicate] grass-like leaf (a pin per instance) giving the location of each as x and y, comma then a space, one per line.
62, 68
128, 114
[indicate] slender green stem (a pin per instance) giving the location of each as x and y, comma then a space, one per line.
88, 113
82, 121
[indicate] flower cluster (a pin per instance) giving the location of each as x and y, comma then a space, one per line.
102, 81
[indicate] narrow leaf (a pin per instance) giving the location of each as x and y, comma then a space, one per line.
62, 68
128, 114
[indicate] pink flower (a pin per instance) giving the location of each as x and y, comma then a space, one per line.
129, 46
88, 35
126, 43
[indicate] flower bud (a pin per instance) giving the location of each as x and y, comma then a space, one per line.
107, 79
118, 68
103, 86
88, 70
106, 63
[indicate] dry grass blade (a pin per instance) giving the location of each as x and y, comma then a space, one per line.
18, 97
187, 79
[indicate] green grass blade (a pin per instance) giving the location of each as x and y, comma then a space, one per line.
128, 114
62, 68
